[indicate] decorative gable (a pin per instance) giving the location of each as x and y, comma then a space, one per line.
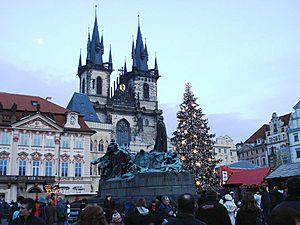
72, 120
37, 122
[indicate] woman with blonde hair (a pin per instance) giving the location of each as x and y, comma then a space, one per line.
92, 215
249, 213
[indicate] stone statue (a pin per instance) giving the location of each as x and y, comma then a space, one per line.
116, 162
120, 163
139, 120
161, 136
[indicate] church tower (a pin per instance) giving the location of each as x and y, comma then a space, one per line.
94, 76
126, 110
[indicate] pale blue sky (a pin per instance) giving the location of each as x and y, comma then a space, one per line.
241, 57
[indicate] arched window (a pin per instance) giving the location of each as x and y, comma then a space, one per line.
83, 86
123, 133
146, 91
101, 146
99, 86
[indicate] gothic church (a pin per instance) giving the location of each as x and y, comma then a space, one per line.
126, 110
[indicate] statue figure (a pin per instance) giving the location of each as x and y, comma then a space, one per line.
115, 163
139, 122
161, 136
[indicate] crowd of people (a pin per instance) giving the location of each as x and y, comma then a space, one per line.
276, 207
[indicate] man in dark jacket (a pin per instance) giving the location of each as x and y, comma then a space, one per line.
265, 203
212, 212
185, 215
293, 195
27, 217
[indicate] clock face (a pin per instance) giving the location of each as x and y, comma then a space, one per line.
122, 87
72, 120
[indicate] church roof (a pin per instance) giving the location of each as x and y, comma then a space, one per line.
285, 170
81, 103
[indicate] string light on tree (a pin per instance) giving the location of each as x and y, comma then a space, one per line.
194, 144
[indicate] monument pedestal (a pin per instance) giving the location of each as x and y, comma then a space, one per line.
149, 185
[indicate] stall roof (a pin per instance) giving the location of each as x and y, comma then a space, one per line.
248, 177
285, 170
242, 164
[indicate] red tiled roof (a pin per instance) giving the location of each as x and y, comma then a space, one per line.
248, 177
24, 102
260, 133
285, 118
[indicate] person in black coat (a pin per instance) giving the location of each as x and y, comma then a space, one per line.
109, 207
293, 195
27, 217
249, 212
265, 203
139, 215
185, 214
212, 212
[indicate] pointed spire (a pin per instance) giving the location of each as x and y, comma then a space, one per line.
133, 54
125, 67
140, 54
80, 63
110, 58
88, 55
155, 63
102, 43
96, 51
146, 51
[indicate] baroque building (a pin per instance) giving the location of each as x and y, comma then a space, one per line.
277, 140
254, 149
294, 133
225, 150
125, 110
43, 148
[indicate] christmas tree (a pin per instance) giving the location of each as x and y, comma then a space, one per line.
194, 144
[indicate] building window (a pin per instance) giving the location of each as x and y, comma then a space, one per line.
91, 146
146, 122
123, 133
256, 150
298, 153
35, 168
37, 140
65, 142
220, 150
24, 139
78, 142
146, 91
22, 168
48, 168
93, 84
78, 169
49, 141
4, 138
101, 146
231, 153
296, 137
99, 86
64, 169
263, 161
3, 167
257, 162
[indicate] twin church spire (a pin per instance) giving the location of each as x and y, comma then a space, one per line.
95, 51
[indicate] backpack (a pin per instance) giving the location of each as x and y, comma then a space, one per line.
61, 212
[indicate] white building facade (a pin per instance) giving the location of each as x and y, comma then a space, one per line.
294, 133
225, 150
43, 148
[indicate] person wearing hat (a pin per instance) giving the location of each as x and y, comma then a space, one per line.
230, 206
212, 212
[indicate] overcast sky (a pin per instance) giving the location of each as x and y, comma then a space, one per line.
241, 57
